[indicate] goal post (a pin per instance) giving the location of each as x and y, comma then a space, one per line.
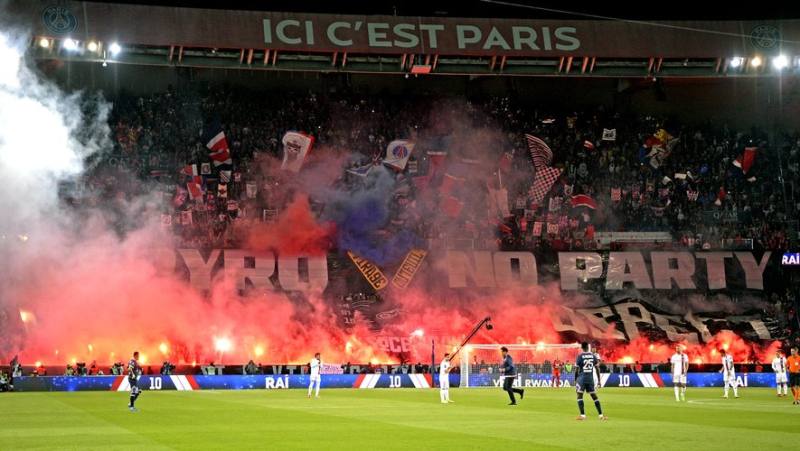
480, 364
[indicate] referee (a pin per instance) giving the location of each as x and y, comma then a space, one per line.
793, 366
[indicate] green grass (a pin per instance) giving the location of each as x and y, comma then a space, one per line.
407, 419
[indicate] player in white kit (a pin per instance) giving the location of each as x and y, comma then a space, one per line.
779, 367
680, 366
728, 374
444, 379
315, 366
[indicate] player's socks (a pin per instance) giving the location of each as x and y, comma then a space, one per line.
677, 397
580, 406
133, 399
683, 393
597, 406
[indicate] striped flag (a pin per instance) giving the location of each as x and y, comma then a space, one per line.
214, 138
540, 151
190, 170
225, 176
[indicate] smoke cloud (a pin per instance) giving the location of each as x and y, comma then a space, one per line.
84, 283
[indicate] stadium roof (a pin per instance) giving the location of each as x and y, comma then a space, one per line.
466, 38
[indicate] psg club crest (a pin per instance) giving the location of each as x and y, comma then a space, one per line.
766, 38
400, 152
59, 19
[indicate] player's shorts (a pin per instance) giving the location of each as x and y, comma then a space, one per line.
679, 379
557, 374
729, 378
134, 382
794, 379
585, 386
780, 378
315, 378
444, 382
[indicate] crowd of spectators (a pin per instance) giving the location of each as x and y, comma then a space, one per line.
692, 190
159, 135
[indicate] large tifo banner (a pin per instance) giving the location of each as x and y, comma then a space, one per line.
367, 381
664, 295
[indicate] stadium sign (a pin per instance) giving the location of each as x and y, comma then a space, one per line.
361, 33
366, 381
791, 259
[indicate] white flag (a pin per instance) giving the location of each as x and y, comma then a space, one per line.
398, 152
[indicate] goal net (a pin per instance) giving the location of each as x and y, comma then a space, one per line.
481, 363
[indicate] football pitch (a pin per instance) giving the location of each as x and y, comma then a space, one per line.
639, 418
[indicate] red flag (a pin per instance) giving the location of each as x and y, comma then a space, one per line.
450, 183
195, 190
190, 170
582, 200
451, 206
720, 196
215, 140
745, 162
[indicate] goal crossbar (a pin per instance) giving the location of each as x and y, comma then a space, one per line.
480, 363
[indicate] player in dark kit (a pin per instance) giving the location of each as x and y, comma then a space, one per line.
509, 374
134, 371
586, 366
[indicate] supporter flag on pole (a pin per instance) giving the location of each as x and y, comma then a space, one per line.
544, 179
214, 138
504, 165
195, 189
451, 184
451, 206
296, 147
745, 162
721, 194
498, 203
186, 217
397, 153
582, 200
180, 196
588, 145
361, 171
190, 170
540, 152
252, 190
609, 134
